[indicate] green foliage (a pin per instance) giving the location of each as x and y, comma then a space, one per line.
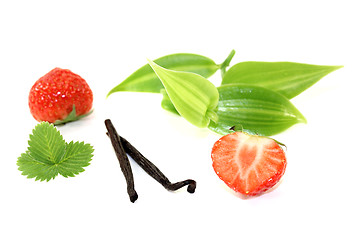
251, 109
192, 95
287, 78
49, 155
256, 110
145, 80
253, 96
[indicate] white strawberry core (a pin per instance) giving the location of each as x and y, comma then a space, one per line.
249, 156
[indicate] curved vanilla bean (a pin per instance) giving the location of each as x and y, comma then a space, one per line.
153, 171
123, 160
175, 186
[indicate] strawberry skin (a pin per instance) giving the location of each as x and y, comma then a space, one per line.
248, 164
55, 95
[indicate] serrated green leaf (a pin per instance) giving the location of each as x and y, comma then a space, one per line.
193, 96
46, 144
145, 80
77, 156
257, 110
33, 168
49, 155
287, 78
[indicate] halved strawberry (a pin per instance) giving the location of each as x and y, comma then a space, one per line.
248, 164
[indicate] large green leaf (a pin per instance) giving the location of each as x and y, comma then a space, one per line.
192, 95
253, 109
256, 110
145, 80
287, 78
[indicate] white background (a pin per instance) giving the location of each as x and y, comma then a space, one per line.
104, 42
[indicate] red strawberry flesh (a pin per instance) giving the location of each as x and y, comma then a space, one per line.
248, 164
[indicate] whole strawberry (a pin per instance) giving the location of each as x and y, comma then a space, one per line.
60, 96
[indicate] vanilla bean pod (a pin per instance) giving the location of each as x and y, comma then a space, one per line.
123, 160
153, 171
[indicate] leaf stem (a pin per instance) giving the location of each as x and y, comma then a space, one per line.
226, 63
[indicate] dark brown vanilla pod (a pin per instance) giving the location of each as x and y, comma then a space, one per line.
153, 171
123, 160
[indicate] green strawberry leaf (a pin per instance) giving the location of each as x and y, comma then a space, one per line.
33, 168
46, 144
48, 155
77, 156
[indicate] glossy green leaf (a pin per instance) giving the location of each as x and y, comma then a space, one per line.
252, 109
145, 80
255, 109
192, 95
287, 78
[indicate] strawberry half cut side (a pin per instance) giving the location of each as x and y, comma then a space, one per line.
248, 164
